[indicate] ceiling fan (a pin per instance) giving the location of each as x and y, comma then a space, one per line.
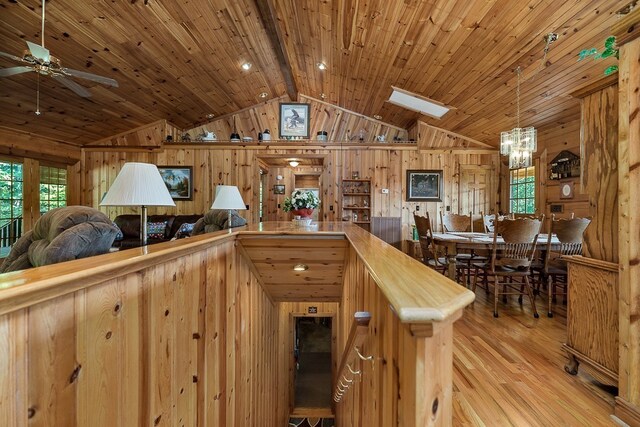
38, 59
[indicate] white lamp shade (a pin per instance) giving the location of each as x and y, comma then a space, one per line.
138, 184
228, 197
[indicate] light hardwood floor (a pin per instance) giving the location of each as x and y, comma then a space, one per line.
509, 371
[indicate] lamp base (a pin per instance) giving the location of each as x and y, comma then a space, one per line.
143, 226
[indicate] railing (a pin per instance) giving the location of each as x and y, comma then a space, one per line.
10, 232
357, 335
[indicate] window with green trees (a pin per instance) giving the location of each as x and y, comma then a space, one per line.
10, 203
522, 190
53, 188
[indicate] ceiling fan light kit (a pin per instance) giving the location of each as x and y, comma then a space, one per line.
38, 59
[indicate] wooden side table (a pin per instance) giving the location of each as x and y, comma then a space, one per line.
413, 249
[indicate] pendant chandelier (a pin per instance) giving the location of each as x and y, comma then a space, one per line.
519, 143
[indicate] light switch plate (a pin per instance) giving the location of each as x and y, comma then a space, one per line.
385, 191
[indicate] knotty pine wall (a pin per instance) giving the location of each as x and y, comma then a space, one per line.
211, 166
189, 341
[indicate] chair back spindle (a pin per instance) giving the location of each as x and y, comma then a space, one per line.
520, 237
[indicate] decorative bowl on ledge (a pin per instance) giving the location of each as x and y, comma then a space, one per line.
302, 222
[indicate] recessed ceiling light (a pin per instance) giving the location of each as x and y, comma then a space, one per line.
321, 66
246, 66
300, 267
263, 95
294, 163
377, 117
210, 116
323, 96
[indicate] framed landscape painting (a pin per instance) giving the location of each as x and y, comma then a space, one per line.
294, 120
424, 185
179, 181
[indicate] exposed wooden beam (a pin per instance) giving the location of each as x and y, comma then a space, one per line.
268, 16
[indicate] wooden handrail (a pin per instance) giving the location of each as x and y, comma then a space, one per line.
357, 334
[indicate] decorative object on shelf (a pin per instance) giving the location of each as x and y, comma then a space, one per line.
519, 143
228, 197
278, 189
566, 190
565, 165
381, 138
424, 186
322, 135
355, 175
178, 180
235, 136
362, 134
266, 135
186, 137
610, 50
301, 203
247, 139
169, 138
209, 136
139, 184
294, 120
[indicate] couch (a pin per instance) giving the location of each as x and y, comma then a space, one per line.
130, 227
62, 234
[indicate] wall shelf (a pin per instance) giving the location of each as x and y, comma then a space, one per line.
357, 192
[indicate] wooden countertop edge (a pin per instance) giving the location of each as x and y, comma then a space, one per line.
25, 288
592, 262
416, 293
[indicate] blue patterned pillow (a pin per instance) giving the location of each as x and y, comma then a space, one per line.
119, 235
185, 230
156, 230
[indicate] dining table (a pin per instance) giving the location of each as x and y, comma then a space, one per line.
454, 242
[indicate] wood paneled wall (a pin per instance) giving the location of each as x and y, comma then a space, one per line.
339, 123
385, 166
189, 341
551, 141
600, 172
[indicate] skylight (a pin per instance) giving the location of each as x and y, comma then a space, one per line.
418, 103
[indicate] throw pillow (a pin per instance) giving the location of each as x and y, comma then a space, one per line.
184, 230
156, 230
119, 235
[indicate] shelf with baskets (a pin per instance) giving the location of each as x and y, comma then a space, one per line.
356, 201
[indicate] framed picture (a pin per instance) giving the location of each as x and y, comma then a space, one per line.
424, 185
179, 181
278, 189
294, 121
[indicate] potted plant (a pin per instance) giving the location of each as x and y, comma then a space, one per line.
301, 203
610, 50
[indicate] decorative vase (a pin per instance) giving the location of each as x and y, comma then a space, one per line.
303, 213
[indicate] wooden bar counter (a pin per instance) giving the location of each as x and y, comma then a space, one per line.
187, 332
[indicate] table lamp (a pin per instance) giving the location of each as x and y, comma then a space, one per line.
228, 197
138, 184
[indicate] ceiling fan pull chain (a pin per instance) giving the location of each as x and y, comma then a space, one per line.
38, 95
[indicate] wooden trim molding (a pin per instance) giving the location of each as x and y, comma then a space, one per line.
628, 28
626, 412
610, 80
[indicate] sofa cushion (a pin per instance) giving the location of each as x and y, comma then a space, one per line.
157, 230
217, 219
182, 219
184, 230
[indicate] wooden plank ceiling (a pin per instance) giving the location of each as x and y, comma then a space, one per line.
272, 260
181, 60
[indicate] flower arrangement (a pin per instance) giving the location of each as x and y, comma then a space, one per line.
301, 200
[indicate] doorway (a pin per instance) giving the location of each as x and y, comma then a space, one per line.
313, 365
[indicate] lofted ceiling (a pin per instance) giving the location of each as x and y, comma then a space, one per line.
182, 60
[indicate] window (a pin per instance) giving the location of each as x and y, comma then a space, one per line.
10, 204
53, 188
523, 190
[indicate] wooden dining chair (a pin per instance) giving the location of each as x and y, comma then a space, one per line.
553, 271
432, 255
454, 222
511, 261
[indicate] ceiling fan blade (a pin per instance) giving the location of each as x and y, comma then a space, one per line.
89, 76
39, 51
15, 58
79, 90
6, 72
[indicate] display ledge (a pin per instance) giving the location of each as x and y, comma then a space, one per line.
287, 143
357, 208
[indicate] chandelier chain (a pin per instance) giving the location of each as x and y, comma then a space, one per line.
518, 98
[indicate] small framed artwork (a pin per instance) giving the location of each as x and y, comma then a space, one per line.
278, 189
566, 190
424, 186
179, 181
294, 120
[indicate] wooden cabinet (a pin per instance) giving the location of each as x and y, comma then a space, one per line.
356, 202
592, 318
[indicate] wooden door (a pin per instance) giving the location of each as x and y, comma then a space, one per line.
477, 191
